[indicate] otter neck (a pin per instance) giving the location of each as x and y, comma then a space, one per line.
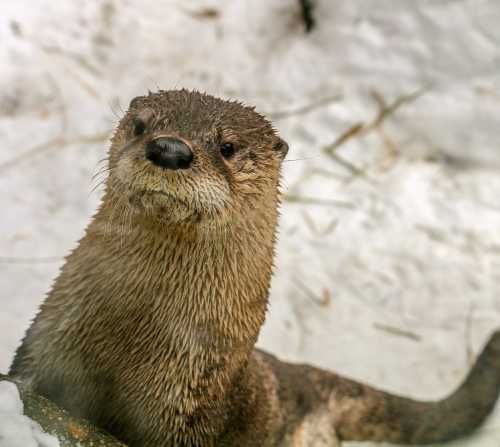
200, 294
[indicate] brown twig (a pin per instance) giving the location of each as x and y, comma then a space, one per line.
343, 137
348, 165
386, 110
360, 128
331, 149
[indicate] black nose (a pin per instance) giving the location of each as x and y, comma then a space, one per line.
169, 153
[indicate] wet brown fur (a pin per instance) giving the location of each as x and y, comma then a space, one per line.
149, 330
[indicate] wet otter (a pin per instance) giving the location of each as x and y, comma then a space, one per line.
149, 330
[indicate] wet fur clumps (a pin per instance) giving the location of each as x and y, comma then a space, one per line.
149, 330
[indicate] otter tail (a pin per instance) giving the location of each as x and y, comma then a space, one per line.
361, 413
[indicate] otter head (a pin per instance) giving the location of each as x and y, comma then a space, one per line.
182, 156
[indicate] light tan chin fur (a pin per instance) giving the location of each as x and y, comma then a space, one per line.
172, 197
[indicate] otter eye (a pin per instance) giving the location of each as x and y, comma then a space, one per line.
139, 127
227, 150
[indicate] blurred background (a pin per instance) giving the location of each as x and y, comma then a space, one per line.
388, 262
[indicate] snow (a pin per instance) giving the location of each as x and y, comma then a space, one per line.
15, 428
400, 288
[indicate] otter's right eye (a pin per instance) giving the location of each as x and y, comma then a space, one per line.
139, 127
227, 150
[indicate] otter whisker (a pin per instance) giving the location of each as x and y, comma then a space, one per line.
129, 144
99, 178
96, 186
113, 111
102, 160
101, 171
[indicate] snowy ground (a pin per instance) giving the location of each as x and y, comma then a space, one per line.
393, 278
17, 430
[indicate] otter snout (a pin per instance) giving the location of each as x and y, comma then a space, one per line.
169, 153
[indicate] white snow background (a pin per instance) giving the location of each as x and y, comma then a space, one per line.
390, 273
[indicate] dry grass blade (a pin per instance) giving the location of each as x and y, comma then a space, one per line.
397, 331
343, 137
52, 144
322, 300
471, 357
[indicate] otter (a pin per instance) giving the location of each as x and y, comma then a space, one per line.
149, 330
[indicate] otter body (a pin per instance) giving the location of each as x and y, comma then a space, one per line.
149, 330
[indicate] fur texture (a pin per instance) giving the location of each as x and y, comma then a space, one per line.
149, 330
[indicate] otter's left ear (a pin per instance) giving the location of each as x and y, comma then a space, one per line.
281, 146
135, 101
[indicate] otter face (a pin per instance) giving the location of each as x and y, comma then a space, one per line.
188, 156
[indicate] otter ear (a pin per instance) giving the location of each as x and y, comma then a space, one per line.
281, 146
134, 101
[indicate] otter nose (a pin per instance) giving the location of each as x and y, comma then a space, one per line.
169, 153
